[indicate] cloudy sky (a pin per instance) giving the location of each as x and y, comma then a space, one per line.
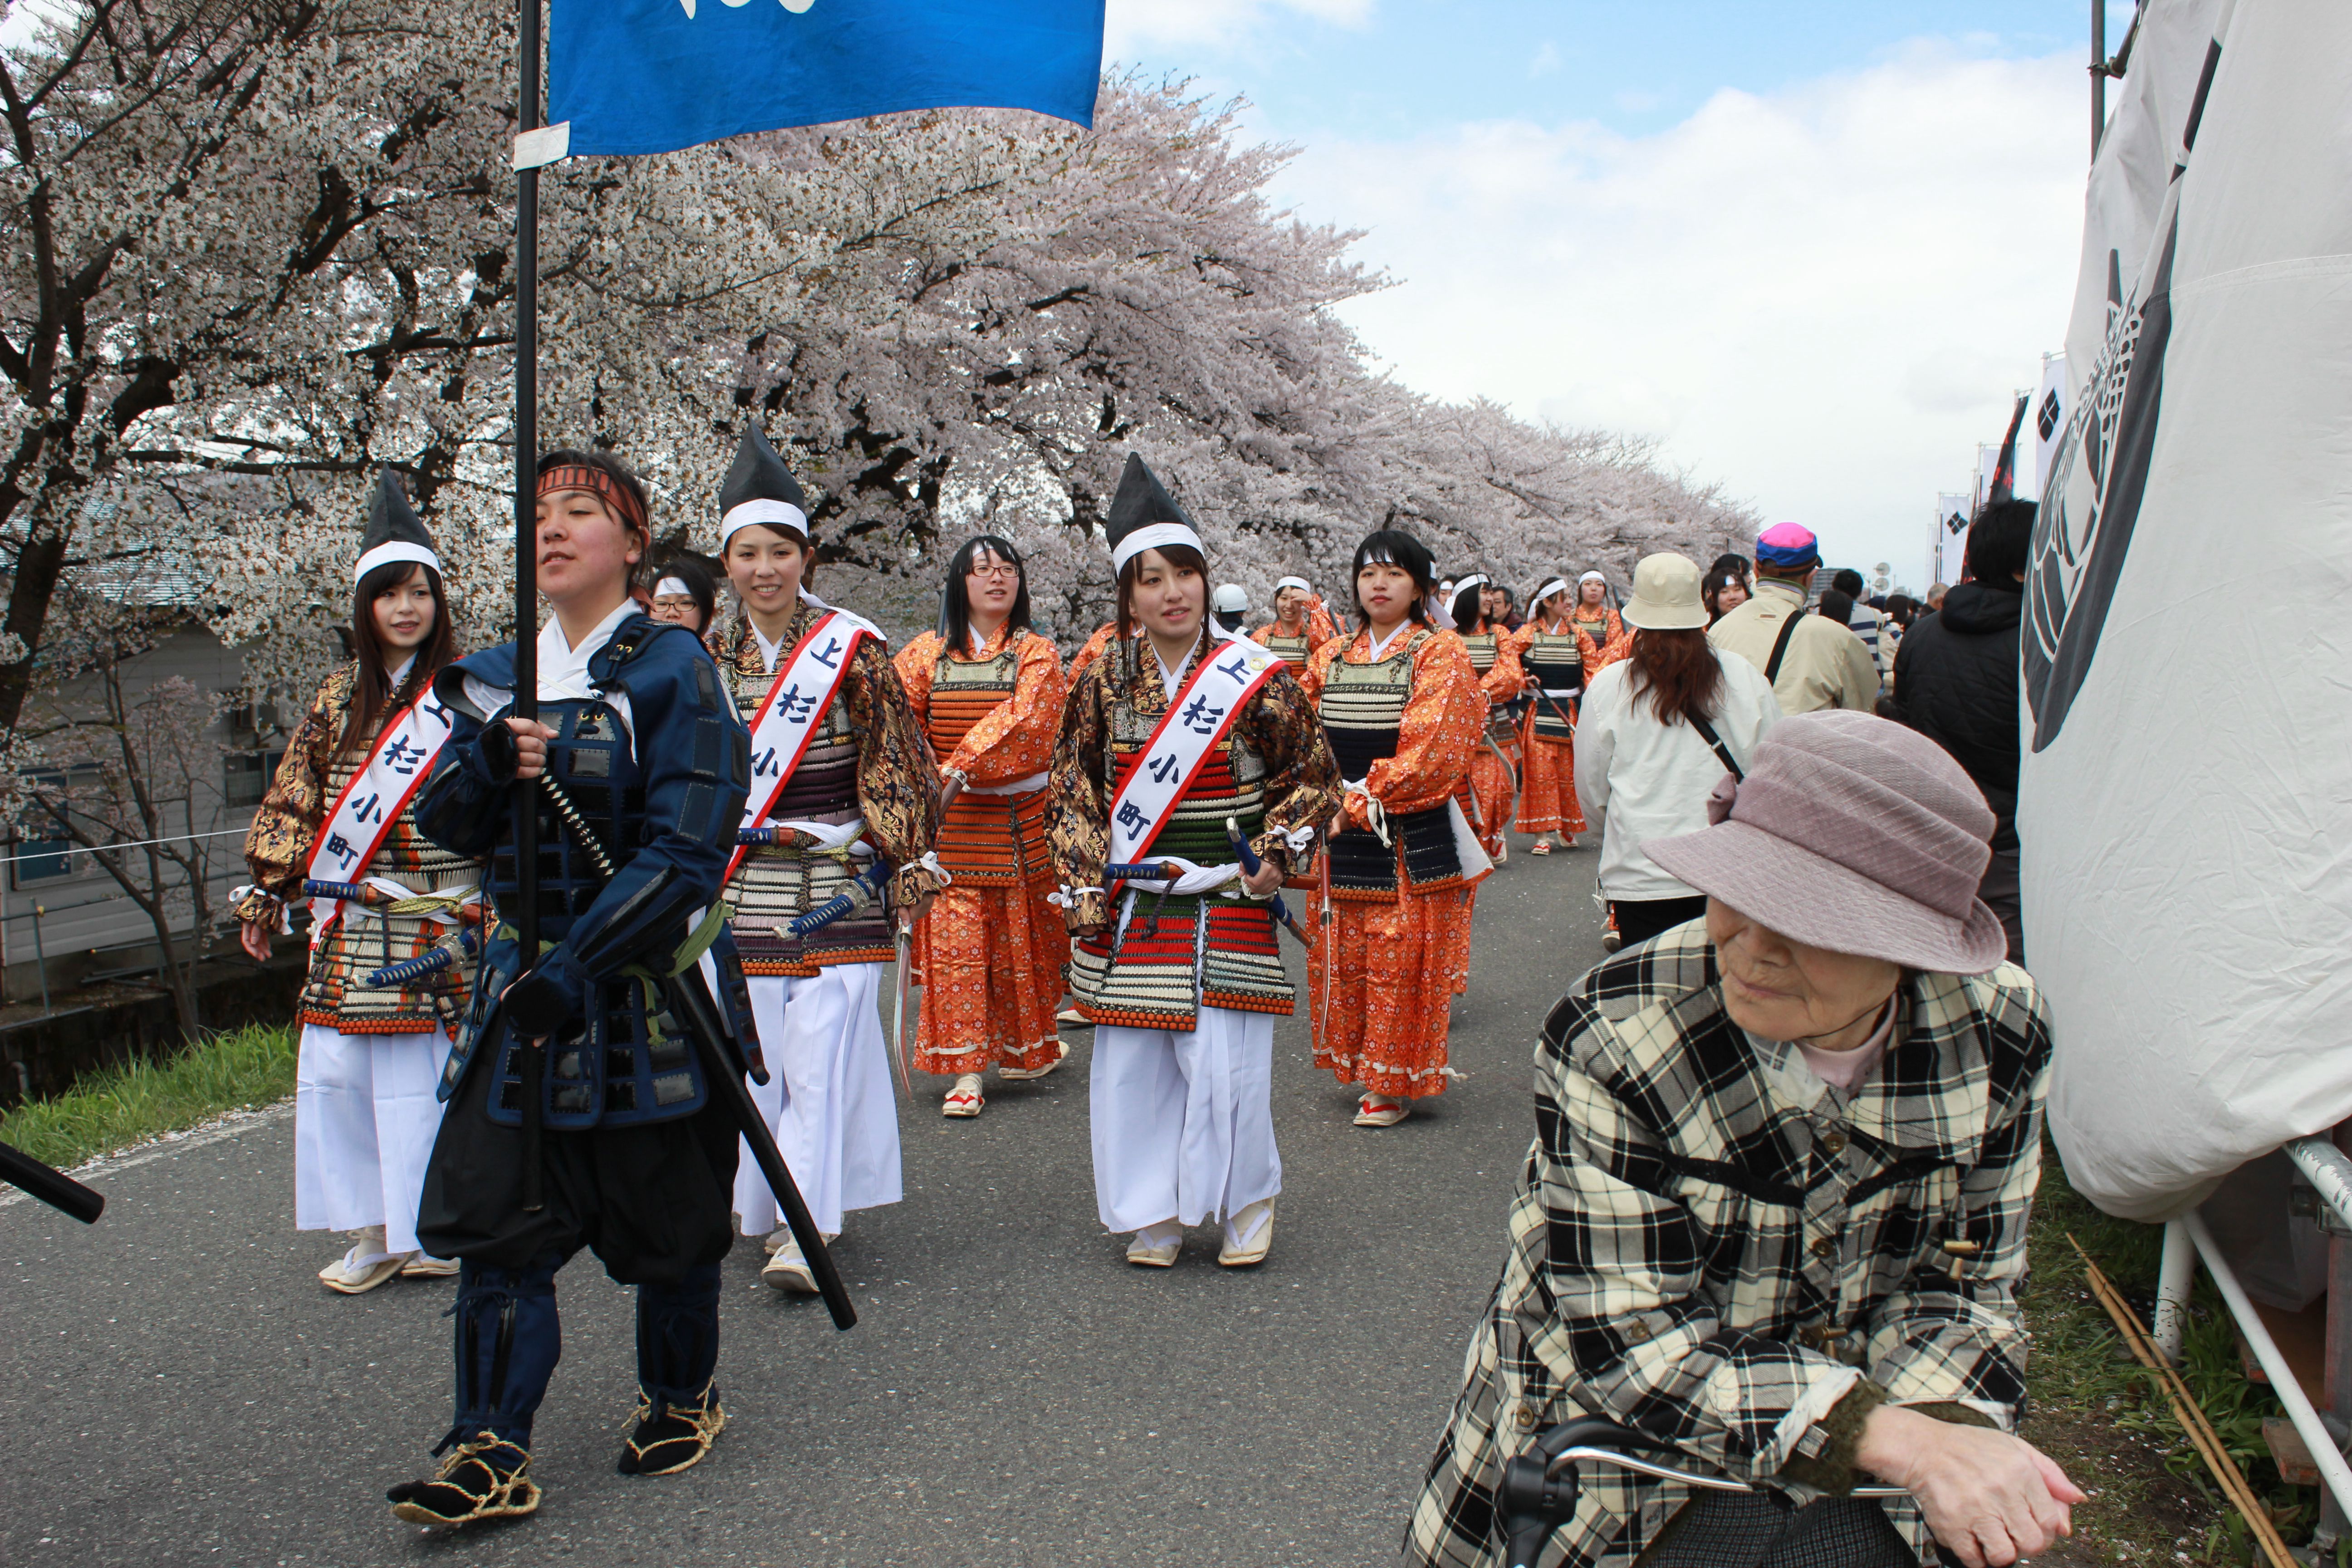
1812, 246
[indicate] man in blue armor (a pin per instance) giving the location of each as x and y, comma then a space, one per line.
640, 765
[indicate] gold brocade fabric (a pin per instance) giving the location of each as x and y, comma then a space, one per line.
277, 852
870, 739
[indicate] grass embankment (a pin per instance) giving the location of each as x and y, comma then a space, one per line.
116, 1107
2103, 1416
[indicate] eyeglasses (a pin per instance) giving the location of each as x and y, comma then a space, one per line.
997, 571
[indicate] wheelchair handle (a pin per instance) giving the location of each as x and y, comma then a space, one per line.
1538, 1490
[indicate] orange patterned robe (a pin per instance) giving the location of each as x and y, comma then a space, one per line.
1547, 780
1384, 972
989, 952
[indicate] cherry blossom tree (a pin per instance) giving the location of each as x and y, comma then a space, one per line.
253, 253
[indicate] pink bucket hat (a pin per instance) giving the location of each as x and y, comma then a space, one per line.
1853, 834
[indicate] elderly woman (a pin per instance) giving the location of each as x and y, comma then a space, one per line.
1775, 1212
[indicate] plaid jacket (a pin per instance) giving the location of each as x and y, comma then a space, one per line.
1712, 1244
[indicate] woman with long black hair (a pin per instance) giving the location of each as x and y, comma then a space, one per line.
338, 810
1403, 709
1661, 728
987, 690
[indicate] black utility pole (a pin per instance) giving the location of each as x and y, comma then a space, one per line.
526, 600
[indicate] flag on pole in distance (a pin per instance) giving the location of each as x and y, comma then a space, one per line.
1951, 538
653, 75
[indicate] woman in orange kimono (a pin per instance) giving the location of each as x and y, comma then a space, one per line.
1403, 709
1494, 770
987, 690
1548, 651
1596, 621
1300, 624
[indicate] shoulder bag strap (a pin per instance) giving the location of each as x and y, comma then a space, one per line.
1780, 648
1722, 753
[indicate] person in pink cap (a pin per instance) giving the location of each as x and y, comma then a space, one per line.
1812, 662
1777, 1204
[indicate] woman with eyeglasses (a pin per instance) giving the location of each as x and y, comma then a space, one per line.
987, 690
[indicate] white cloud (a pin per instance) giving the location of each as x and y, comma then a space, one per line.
1131, 27
1824, 299
1546, 61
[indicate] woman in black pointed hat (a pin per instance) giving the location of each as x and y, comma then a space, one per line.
1171, 741
365, 1109
855, 807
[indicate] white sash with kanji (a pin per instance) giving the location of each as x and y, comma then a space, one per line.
362, 816
1198, 717
795, 706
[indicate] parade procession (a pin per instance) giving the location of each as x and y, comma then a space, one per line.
844, 655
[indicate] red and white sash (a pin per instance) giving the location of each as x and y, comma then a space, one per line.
1198, 717
797, 701
362, 816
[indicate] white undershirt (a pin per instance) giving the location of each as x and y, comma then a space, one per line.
1170, 679
1380, 645
563, 670
769, 651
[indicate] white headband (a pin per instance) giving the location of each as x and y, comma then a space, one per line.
1475, 580
1557, 584
779, 513
673, 585
1301, 583
1439, 614
1151, 537
385, 554
1592, 577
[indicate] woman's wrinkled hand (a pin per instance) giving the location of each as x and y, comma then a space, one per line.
1989, 1498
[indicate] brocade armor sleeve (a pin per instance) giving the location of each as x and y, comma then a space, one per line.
278, 845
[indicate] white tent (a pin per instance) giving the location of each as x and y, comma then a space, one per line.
2186, 801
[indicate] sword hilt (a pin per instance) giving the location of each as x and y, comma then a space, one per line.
578, 824
863, 890
1142, 871
408, 970
349, 892
1251, 861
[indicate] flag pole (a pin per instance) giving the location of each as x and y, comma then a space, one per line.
526, 599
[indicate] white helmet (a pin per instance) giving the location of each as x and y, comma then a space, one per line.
1232, 598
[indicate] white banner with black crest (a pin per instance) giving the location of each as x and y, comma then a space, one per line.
2186, 804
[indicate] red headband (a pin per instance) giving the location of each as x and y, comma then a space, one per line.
586, 477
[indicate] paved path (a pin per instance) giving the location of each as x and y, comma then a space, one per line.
176, 1387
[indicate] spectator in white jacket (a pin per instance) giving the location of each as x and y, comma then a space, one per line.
1659, 730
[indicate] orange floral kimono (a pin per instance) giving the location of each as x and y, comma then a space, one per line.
1386, 964
1547, 737
1494, 761
989, 952
1317, 630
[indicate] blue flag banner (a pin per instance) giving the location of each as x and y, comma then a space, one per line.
652, 76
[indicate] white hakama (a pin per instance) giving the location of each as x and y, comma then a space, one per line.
1183, 1124
365, 1115
827, 1097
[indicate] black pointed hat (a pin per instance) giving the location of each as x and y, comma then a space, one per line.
1143, 516
759, 488
394, 531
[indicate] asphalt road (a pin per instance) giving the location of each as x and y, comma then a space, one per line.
176, 1387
